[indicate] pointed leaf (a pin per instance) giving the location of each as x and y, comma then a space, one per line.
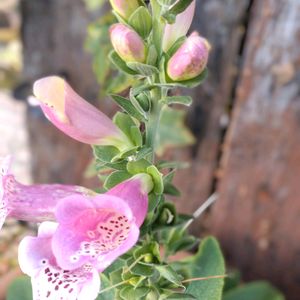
208, 261
128, 107
141, 21
259, 290
143, 69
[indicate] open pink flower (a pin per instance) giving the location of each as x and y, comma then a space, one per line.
98, 230
73, 115
49, 281
180, 28
34, 203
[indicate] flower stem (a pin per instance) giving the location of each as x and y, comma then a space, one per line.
204, 278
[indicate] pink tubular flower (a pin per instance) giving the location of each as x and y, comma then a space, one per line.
124, 8
98, 230
34, 203
190, 59
73, 115
180, 28
127, 43
49, 281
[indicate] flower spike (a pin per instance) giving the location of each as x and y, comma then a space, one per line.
49, 281
33, 203
75, 116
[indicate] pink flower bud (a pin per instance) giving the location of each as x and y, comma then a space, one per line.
180, 28
73, 115
190, 59
127, 43
124, 8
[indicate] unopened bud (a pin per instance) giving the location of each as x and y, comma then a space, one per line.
127, 43
190, 59
124, 8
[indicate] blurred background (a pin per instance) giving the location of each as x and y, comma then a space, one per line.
245, 117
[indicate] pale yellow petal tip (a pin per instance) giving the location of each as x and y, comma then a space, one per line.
51, 92
207, 45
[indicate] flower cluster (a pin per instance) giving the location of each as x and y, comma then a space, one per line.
89, 231
83, 232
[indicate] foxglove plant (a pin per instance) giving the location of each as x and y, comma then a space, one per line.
123, 232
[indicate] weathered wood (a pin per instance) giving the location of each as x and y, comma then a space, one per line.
257, 217
222, 23
53, 34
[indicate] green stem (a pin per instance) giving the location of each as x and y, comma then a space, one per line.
152, 125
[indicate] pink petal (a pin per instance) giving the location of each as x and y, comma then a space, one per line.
134, 192
180, 28
34, 203
91, 233
105, 260
72, 114
4, 170
49, 281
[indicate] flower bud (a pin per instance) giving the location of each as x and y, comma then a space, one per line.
180, 28
127, 43
124, 8
73, 115
190, 59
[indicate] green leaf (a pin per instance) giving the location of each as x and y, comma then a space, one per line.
20, 289
137, 106
120, 64
184, 100
208, 261
143, 69
105, 153
141, 21
259, 290
138, 166
192, 83
144, 152
115, 178
180, 7
128, 107
129, 292
171, 189
105, 283
173, 136
170, 274
176, 46
157, 179
152, 55
136, 136
120, 83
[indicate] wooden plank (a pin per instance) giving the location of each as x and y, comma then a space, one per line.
258, 215
222, 23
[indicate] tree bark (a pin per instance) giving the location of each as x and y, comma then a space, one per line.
257, 215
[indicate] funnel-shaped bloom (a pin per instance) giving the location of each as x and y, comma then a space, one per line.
49, 281
34, 203
124, 8
73, 115
127, 43
180, 28
190, 59
98, 230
